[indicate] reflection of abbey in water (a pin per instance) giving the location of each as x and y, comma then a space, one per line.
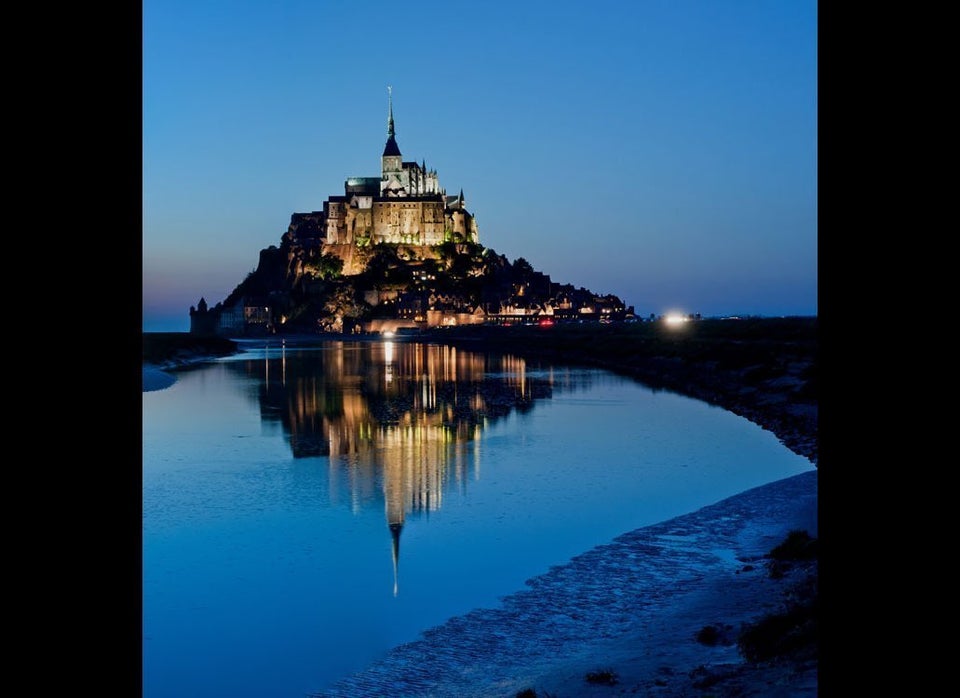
360, 398
405, 419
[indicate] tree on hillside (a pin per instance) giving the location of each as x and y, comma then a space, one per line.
462, 259
341, 309
325, 267
382, 261
522, 269
448, 253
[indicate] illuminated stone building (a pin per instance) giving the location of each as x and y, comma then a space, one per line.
404, 205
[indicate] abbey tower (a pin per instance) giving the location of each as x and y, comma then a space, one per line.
404, 205
400, 178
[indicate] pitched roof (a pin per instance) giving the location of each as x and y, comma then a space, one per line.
391, 148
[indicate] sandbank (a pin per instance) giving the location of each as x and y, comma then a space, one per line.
634, 607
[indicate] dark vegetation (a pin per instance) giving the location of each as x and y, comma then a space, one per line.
797, 546
708, 635
792, 633
605, 677
704, 678
712, 635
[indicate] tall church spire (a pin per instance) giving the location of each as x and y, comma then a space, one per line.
391, 148
390, 132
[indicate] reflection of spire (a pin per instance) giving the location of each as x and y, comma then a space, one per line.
393, 494
395, 534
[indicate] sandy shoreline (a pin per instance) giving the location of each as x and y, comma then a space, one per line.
633, 606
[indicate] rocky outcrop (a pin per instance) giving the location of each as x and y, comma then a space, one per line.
307, 284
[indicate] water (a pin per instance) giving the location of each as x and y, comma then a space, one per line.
307, 508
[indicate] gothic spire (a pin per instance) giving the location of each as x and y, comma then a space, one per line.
391, 148
390, 132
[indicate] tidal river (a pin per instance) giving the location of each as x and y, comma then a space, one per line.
308, 507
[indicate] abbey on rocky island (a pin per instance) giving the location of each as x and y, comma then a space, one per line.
392, 251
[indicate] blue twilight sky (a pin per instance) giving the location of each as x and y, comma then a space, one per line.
663, 150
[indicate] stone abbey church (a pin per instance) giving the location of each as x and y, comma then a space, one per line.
404, 205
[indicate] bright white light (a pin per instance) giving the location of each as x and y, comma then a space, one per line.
388, 333
675, 318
